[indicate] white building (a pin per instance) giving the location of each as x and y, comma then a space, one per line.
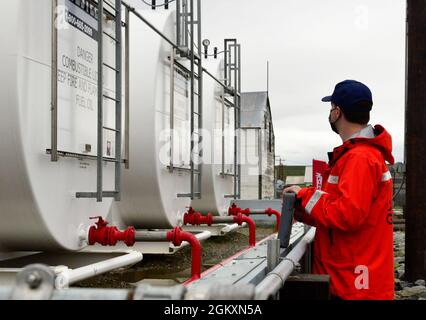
257, 147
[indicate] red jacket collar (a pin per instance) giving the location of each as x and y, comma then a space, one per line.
382, 141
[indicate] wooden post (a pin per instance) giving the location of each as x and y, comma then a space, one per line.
415, 142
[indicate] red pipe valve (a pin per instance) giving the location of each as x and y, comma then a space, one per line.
109, 236
234, 210
195, 218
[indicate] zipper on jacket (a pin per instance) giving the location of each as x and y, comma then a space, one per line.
330, 236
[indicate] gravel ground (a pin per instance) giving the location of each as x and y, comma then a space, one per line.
173, 269
405, 290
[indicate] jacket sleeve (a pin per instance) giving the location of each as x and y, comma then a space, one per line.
347, 209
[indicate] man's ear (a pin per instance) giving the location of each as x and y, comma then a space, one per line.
340, 112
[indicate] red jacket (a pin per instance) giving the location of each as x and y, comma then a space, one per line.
353, 217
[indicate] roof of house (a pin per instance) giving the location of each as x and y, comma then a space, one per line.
254, 105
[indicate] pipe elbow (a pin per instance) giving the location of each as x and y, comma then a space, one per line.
177, 236
277, 214
240, 219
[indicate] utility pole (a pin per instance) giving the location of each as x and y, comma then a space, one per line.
415, 142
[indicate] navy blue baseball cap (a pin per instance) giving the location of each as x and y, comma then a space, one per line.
347, 94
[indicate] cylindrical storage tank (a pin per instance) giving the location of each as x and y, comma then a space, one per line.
38, 205
218, 143
152, 194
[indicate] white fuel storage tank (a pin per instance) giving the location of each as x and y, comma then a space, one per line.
38, 205
151, 192
218, 143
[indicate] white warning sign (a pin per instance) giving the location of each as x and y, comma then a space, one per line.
77, 76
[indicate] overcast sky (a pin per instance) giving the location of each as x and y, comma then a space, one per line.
312, 45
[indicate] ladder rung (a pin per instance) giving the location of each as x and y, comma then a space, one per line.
105, 194
110, 98
111, 37
188, 195
110, 5
111, 67
111, 129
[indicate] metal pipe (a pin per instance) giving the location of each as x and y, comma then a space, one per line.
200, 148
252, 228
273, 254
151, 236
230, 228
54, 84
172, 106
185, 24
199, 27
260, 159
277, 215
99, 168
196, 218
275, 280
220, 219
202, 235
238, 120
127, 92
70, 276
177, 236
133, 10
192, 89
92, 294
118, 94
234, 210
178, 23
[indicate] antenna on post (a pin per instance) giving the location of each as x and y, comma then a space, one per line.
267, 77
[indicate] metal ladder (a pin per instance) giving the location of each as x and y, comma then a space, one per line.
233, 82
114, 11
188, 17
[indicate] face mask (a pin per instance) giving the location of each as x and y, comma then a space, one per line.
333, 124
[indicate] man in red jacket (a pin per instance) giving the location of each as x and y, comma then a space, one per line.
353, 212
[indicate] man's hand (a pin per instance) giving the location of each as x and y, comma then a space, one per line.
292, 189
